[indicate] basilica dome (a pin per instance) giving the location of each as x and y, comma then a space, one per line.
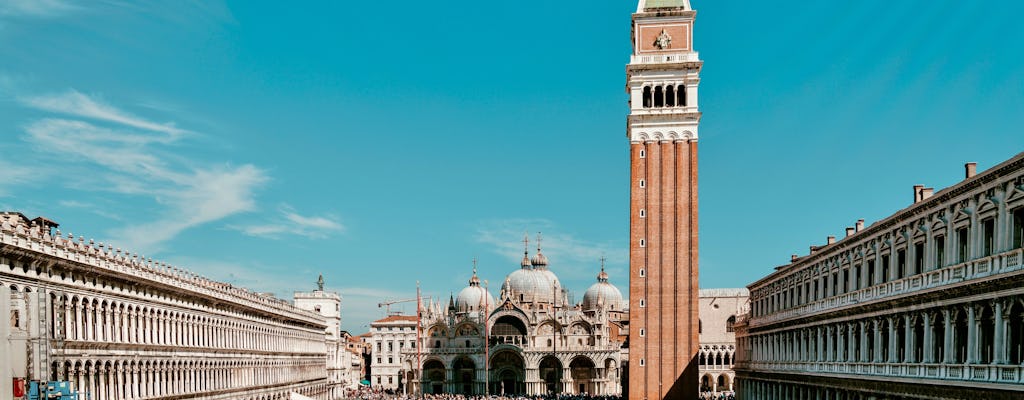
603, 294
528, 285
474, 297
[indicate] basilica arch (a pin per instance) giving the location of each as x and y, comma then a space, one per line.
463, 376
508, 373
583, 373
434, 376
551, 374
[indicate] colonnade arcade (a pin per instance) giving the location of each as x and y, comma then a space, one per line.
981, 339
166, 377
715, 363
512, 372
766, 390
101, 319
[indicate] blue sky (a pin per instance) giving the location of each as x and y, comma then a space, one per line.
262, 143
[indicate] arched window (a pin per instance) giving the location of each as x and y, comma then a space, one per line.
700, 326
648, 99
729, 324
681, 92
670, 96
659, 97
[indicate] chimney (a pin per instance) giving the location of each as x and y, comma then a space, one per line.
970, 169
917, 192
831, 239
850, 231
860, 225
926, 193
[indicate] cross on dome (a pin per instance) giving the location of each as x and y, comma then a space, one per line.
539, 260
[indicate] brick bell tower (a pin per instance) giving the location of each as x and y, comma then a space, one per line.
662, 78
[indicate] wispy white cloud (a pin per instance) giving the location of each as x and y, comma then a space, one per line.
36, 8
570, 256
132, 159
291, 223
211, 195
74, 103
90, 207
14, 174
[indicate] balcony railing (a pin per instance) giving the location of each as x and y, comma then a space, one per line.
998, 264
993, 373
664, 58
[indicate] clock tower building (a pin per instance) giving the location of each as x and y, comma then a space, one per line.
662, 79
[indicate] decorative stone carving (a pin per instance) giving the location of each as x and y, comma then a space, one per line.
663, 41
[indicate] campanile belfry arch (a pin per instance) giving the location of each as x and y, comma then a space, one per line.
662, 79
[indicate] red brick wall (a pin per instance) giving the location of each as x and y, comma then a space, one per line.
670, 287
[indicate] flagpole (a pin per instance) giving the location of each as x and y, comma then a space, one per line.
487, 345
419, 342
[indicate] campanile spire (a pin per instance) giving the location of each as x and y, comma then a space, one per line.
662, 79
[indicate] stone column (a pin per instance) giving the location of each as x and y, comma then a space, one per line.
973, 344
863, 356
929, 340
947, 339
1002, 232
951, 241
103, 376
820, 345
78, 320
92, 372
877, 358
80, 379
975, 236
908, 340
829, 341
892, 339
851, 342
999, 342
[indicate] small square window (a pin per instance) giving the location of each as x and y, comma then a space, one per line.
643, 272
643, 243
643, 213
643, 153
643, 183
641, 362
643, 303
642, 332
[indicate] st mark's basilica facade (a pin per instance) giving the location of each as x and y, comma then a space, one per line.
538, 342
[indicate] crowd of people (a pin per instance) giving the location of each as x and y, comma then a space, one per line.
375, 394
718, 396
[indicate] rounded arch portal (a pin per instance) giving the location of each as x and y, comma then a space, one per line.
507, 373
433, 377
583, 375
551, 374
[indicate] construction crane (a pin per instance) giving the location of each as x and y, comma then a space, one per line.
387, 304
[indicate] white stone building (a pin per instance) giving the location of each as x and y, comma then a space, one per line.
389, 336
927, 303
343, 367
719, 309
121, 326
530, 340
